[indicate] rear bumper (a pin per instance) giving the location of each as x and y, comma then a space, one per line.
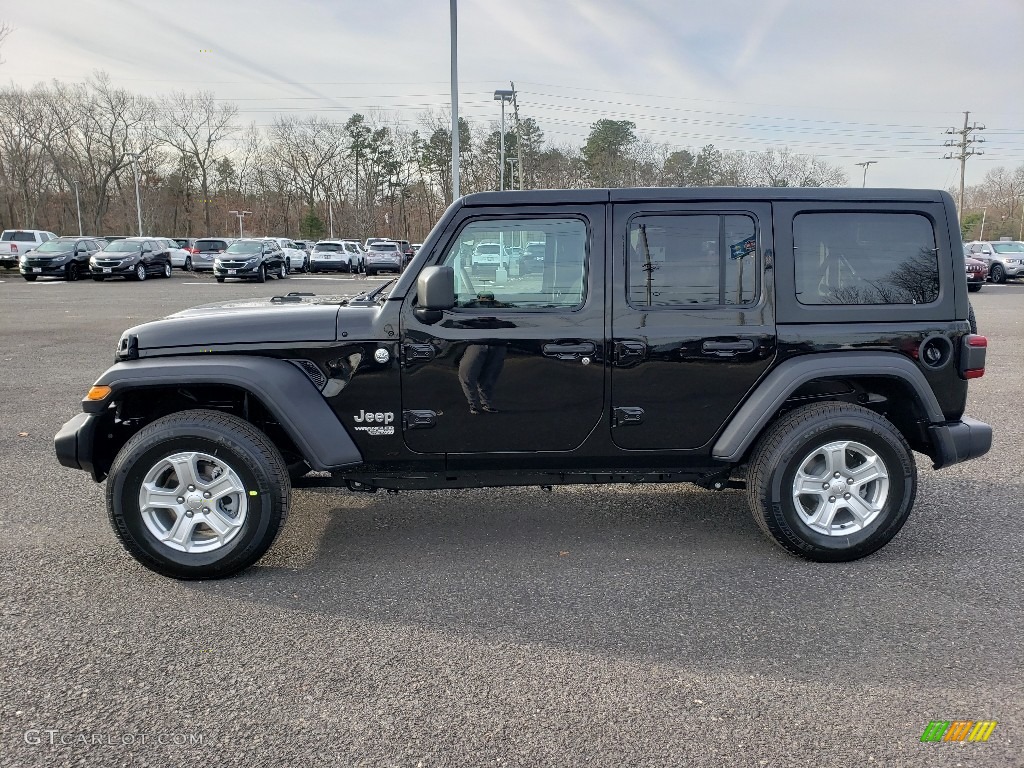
959, 441
74, 443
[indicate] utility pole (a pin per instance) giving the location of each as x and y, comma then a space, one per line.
865, 165
966, 146
454, 14
502, 96
78, 206
519, 142
241, 215
330, 214
138, 197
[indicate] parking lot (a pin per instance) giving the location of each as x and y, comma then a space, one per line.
622, 625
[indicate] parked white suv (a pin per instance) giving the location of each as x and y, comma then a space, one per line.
296, 258
15, 243
1005, 258
332, 255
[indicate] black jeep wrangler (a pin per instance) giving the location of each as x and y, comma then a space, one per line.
799, 343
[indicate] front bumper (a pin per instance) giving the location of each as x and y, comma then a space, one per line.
123, 270
959, 441
46, 270
240, 272
74, 443
1011, 270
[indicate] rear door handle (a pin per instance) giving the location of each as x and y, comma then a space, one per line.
569, 351
727, 348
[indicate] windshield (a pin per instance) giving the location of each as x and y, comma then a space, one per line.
124, 246
55, 246
1008, 247
330, 247
392, 247
246, 247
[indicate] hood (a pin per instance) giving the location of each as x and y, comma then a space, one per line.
294, 319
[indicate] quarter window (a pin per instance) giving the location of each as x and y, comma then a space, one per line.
692, 260
520, 263
865, 258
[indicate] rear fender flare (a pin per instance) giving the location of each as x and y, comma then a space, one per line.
764, 402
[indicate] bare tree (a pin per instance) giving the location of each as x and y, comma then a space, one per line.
197, 127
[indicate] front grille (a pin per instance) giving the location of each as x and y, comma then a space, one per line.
233, 264
312, 370
108, 262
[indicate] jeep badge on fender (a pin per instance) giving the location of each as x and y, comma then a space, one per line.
803, 344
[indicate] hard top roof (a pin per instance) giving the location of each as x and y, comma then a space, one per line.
692, 194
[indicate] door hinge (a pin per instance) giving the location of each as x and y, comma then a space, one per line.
627, 415
418, 419
418, 352
629, 352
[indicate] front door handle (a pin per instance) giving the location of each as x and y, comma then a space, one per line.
569, 351
727, 348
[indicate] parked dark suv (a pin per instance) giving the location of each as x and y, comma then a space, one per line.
66, 257
802, 344
133, 258
251, 259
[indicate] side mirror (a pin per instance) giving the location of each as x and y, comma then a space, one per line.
435, 292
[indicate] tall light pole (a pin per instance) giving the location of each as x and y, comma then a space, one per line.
865, 165
78, 206
984, 213
1020, 234
241, 215
138, 197
455, 98
330, 214
503, 96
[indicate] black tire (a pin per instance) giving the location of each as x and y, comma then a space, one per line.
30, 278
971, 318
371, 273
167, 270
997, 274
261, 274
282, 271
254, 459
220, 279
305, 265
794, 437
140, 272
348, 268
71, 272
188, 263
974, 287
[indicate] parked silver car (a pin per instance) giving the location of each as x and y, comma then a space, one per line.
1004, 258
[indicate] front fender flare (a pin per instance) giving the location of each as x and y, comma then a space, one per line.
281, 387
748, 422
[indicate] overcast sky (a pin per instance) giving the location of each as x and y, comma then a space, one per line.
847, 80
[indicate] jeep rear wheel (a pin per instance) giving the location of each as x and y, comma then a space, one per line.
832, 482
198, 495
997, 274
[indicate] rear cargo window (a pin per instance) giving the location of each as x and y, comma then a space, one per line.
865, 258
205, 246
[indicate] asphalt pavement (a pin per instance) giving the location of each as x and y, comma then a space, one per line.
600, 626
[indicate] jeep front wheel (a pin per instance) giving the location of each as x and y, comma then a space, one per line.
832, 482
198, 495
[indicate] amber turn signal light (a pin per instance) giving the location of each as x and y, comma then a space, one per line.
98, 393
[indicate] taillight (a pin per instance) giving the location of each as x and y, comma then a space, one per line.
14, 248
972, 356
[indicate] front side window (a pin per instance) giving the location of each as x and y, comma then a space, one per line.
691, 260
865, 258
491, 271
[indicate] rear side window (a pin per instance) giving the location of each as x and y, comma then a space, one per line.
865, 258
691, 260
